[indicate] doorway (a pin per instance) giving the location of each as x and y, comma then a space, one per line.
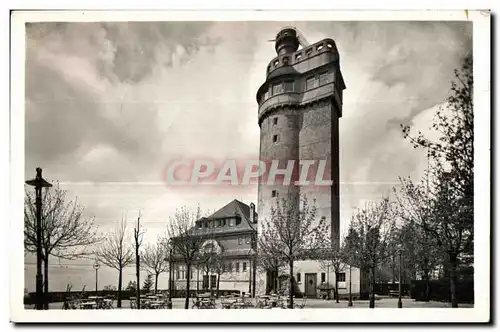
310, 285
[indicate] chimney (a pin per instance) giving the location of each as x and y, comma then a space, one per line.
252, 213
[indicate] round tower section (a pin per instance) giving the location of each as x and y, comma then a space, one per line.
286, 41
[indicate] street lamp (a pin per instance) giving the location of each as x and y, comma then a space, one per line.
400, 303
349, 304
96, 267
39, 182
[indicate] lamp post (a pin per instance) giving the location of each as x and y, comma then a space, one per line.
39, 182
400, 303
349, 304
96, 267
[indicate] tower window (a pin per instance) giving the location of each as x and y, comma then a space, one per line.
285, 60
323, 78
309, 51
275, 138
341, 276
310, 83
320, 47
288, 86
275, 121
277, 88
240, 240
298, 56
329, 45
276, 63
274, 193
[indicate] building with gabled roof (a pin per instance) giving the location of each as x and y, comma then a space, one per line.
231, 232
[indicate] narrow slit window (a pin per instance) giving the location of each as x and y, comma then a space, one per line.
298, 56
275, 138
274, 193
275, 121
309, 51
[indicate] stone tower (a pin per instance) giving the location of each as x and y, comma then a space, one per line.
300, 104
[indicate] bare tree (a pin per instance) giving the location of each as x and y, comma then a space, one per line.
66, 232
290, 234
117, 253
372, 226
138, 236
452, 169
154, 260
186, 241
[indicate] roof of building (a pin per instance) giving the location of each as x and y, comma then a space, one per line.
234, 208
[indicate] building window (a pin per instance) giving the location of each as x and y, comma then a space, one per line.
298, 277
244, 266
277, 88
231, 222
266, 95
247, 240
289, 86
213, 281
275, 138
341, 276
309, 51
323, 276
178, 274
298, 56
276, 62
310, 83
285, 60
237, 267
320, 47
274, 193
323, 78
229, 267
240, 240
275, 121
238, 220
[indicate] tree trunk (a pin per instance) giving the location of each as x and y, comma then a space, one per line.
46, 284
337, 287
188, 284
119, 299
157, 275
427, 285
453, 281
254, 272
372, 288
290, 286
218, 282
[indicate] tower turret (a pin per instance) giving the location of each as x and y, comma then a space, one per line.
286, 41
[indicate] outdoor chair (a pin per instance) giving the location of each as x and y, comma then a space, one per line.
302, 304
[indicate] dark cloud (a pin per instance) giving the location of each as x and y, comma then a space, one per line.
87, 89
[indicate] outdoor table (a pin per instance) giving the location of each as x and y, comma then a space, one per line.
88, 305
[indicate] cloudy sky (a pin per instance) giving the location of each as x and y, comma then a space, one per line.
109, 105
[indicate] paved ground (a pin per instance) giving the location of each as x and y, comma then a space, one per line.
316, 303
